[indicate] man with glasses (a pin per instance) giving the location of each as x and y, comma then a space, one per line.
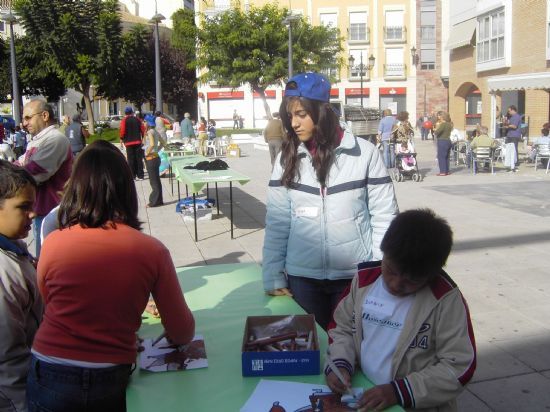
48, 159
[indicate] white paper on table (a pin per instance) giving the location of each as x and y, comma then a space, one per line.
291, 396
162, 358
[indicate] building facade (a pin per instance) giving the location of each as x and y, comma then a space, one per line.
388, 30
500, 56
431, 56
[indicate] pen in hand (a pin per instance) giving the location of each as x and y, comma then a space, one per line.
157, 340
339, 375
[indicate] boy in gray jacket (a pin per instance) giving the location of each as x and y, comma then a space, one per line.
405, 322
20, 302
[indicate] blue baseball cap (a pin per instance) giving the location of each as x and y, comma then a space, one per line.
312, 86
128, 110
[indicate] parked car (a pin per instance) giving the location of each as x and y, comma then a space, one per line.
112, 121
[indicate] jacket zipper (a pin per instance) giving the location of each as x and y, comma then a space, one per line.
323, 193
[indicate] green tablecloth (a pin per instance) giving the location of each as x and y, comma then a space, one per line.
190, 160
182, 152
221, 297
197, 179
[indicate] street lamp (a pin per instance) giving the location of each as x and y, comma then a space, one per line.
414, 56
369, 67
11, 19
288, 21
156, 19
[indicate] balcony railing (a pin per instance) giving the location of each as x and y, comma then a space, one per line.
357, 35
355, 72
395, 34
395, 71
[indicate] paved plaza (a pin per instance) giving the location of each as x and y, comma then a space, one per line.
500, 260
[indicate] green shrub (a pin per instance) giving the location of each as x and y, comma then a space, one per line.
111, 135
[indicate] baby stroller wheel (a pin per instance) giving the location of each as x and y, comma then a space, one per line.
416, 177
401, 177
395, 175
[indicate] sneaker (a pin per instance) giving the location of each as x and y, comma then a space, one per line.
139, 178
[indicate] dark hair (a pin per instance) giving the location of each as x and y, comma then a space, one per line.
545, 131
418, 243
325, 136
101, 190
158, 113
12, 180
514, 108
402, 116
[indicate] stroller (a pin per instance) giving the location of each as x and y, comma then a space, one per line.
405, 162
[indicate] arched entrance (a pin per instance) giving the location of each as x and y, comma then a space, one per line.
470, 115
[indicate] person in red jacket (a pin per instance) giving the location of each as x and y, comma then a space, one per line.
132, 131
96, 275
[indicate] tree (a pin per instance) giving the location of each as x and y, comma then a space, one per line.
138, 75
82, 39
35, 77
137, 66
237, 47
184, 35
5, 72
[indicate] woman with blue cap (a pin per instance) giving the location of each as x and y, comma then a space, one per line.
152, 141
329, 203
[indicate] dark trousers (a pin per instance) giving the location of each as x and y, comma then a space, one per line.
318, 297
60, 388
424, 133
19, 150
134, 154
155, 198
443, 150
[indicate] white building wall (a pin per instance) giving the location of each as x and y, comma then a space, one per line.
146, 8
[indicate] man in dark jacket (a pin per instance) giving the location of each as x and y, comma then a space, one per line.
76, 135
132, 131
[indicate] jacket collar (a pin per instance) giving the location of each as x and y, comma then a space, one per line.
10, 246
349, 141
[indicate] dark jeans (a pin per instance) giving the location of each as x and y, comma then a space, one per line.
443, 150
59, 388
19, 150
37, 233
134, 154
424, 133
318, 297
155, 198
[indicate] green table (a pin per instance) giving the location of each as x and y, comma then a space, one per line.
197, 179
181, 152
221, 297
190, 160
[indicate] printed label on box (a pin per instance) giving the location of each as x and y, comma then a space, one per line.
257, 365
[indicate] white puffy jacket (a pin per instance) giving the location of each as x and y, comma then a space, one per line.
324, 234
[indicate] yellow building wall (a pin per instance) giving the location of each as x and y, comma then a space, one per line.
528, 56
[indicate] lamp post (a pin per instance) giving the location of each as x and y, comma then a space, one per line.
414, 56
11, 19
369, 67
288, 21
156, 19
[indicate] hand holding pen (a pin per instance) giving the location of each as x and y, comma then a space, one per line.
179, 348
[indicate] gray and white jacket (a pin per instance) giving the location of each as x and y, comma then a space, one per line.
323, 233
21, 310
